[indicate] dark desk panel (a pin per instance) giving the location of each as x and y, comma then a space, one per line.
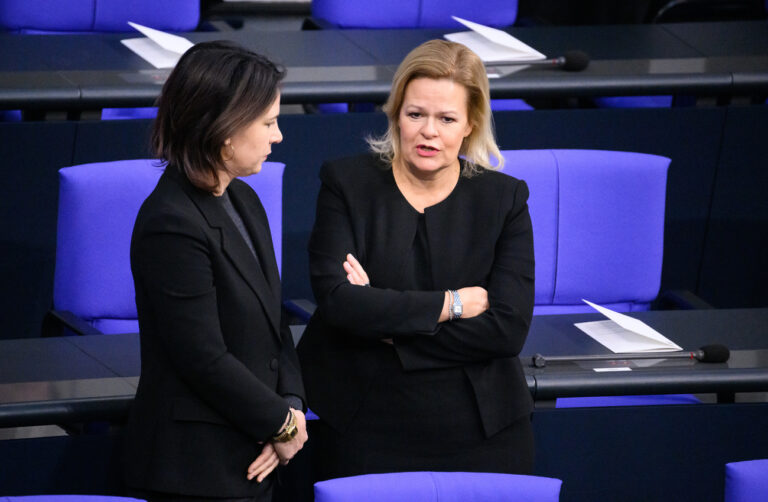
58, 359
298, 48
65, 401
744, 331
625, 60
746, 371
634, 41
747, 38
36, 90
357, 65
52, 380
68, 379
121, 354
66, 52
600, 42
99, 71
105, 52
389, 47
618, 78
738, 329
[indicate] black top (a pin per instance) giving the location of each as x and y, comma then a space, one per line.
216, 361
480, 235
293, 401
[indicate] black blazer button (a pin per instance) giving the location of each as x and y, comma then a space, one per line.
273, 364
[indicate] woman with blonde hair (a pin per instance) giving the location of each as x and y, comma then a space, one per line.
421, 262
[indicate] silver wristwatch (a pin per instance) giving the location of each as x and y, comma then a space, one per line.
456, 307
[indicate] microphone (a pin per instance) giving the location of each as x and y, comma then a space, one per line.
714, 353
570, 61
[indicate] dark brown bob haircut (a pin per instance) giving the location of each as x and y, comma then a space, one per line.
216, 89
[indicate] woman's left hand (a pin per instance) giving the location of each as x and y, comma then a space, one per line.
355, 273
264, 464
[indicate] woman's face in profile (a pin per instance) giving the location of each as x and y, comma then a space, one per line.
433, 123
249, 147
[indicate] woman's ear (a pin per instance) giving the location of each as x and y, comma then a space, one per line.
227, 150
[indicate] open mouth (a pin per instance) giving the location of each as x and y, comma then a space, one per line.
427, 149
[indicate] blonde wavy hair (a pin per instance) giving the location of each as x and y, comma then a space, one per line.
441, 59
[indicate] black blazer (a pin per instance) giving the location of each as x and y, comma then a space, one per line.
214, 359
480, 235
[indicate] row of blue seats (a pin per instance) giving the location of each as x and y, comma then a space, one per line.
597, 216
745, 481
46, 16
598, 221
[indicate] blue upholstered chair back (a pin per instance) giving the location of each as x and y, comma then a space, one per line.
98, 204
746, 481
414, 13
439, 486
598, 224
42, 16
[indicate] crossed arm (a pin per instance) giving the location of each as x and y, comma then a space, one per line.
496, 318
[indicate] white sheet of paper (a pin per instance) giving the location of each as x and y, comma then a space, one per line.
608, 370
165, 40
502, 70
493, 45
622, 333
160, 49
152, 53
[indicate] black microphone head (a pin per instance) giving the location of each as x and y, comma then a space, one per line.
714, 353
575, 60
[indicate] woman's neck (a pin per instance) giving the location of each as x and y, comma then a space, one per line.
424, 189
224, 180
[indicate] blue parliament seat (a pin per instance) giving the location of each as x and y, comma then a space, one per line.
412, 13
439, 486
746, 481
98, 203
598, 225
87, 16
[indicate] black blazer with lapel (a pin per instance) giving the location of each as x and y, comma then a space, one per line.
480, 235
215, 358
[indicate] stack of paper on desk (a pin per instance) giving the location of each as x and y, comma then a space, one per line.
622, 334
160, 49
492, 45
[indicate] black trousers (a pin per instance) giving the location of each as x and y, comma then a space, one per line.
337, 455
419, 421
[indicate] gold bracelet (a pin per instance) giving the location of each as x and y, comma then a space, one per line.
289, 431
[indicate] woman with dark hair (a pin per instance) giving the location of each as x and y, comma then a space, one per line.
421, 261
220, 399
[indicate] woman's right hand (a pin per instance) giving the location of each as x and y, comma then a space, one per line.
287, 450
473, 299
